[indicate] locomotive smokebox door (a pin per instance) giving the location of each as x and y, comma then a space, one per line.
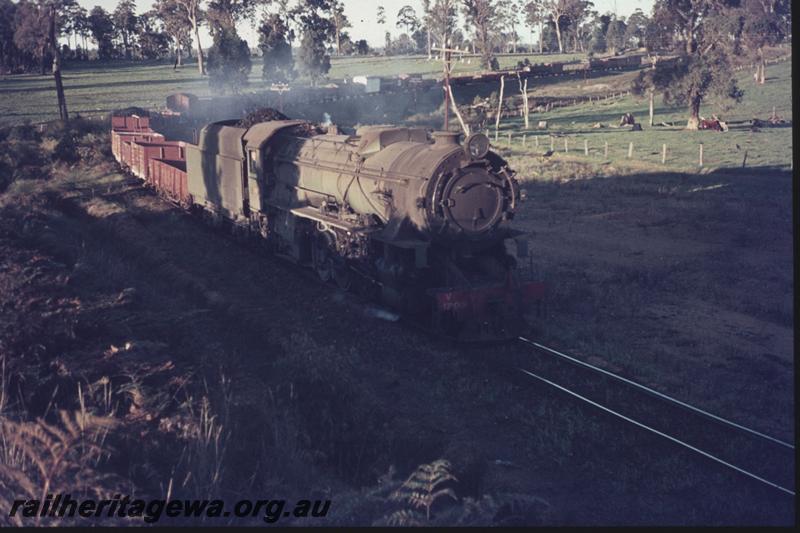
473, 200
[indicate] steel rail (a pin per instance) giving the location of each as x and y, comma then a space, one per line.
658, 394
661, 434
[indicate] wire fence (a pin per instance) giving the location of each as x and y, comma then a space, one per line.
600, 147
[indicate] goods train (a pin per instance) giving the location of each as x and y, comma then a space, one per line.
416, 221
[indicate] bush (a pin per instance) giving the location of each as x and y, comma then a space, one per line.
66, 150
23, 132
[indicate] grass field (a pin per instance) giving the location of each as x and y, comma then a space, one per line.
98, 88
768, 147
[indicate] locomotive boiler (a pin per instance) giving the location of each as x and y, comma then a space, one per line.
415, 221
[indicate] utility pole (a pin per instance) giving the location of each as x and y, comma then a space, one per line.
446, 57
446, 54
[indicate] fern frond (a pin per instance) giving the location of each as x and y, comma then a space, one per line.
405, 518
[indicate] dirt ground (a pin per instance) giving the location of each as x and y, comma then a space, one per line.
232, 374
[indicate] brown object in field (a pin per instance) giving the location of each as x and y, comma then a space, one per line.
542, 125
710, 124
775, 118
598, 125
627, 120
181, 102
636, 127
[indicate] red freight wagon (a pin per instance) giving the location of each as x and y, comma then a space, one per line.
130, 123
120, 138
143, 151
168, 177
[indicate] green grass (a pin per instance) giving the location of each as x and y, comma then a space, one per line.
99, 87
768, 147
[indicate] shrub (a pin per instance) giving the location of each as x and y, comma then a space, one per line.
228, 62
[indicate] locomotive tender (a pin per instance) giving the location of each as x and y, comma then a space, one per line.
414, 221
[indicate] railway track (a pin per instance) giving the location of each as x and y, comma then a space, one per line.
752, 454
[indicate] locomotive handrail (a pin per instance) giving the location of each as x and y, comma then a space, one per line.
334, 167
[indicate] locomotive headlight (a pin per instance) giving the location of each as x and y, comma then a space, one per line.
477, 146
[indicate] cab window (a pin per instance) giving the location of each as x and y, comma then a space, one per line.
253, 161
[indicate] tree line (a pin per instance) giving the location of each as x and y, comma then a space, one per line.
297, 39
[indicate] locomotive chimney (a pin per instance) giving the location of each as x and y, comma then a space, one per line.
445, 138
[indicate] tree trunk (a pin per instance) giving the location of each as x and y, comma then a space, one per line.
200, 66
178, 57
429, 43
651, 95
541, 37
690, 37
558, 37
694, 114
62, 101
762, 67
338, 42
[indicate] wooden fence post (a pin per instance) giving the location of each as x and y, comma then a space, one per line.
744, 159
701, 154
605, 150
523, 139
663, 153
509, 138
499, 107
566, 145
630, 150
585, 147
551, 143
536, 140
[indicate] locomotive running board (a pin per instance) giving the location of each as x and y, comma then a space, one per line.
312, 213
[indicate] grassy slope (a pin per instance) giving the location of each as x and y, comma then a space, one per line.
769, 147
99, 88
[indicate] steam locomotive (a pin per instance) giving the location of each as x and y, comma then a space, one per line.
416, 221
